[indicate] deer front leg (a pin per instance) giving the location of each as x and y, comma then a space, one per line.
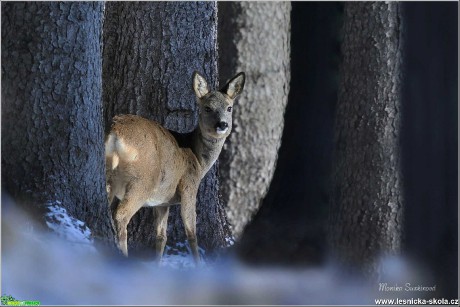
189, 219
161, 224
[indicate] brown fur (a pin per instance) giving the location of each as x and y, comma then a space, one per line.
146, 167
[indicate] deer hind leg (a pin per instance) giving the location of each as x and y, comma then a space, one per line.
130, 204
189, 219
111, 206
110, 196
161, 224
108, 181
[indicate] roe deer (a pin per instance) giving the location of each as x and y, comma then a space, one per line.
146, 167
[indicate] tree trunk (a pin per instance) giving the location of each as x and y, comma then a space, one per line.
290, 226
254, 37
150, 52
366, 209
430, 140
52, 133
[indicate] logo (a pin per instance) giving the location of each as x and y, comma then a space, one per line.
8, 300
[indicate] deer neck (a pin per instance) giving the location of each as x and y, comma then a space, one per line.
206, 150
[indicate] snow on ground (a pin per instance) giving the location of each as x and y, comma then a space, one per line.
64, 268
66, 226
178, 259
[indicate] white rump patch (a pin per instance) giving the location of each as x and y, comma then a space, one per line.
115, 161
110, 145
116, 148
127, 153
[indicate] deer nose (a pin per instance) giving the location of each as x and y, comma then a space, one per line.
222, 125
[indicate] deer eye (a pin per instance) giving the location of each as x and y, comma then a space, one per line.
229, 109
207, 109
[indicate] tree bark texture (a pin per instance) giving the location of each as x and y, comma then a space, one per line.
254, 37
366, 209
150, 52
52, 132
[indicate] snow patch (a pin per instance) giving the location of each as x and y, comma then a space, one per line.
66, 226
179, 257
230, 241
44, 267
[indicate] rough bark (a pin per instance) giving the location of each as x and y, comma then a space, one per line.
366, 209
52, 132
150, 52
254, 37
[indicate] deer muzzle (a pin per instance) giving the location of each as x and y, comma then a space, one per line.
221, 127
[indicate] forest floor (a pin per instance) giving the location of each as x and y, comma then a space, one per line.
63, 267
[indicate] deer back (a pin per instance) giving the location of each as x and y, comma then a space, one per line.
140, 151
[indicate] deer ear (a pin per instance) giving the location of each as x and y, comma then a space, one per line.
235, 86
200, 86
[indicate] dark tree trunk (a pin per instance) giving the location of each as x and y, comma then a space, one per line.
150, 52
430, 140
366, 211
254, 37
52, 132
290, 226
